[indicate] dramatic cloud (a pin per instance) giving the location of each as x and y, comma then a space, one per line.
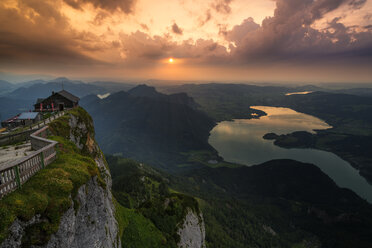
213, 33
286, 36
222, 6
176, 29
111, 5
289, 35
38, 34
141, 47
205, 18
238, 32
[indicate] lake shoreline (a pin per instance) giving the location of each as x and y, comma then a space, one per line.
241, 141
305, 140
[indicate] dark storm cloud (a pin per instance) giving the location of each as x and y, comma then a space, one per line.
125, 6
44, 37
176, 29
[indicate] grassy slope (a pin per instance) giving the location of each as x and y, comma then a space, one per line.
136, 230
147, 211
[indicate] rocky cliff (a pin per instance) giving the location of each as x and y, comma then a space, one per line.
86, 216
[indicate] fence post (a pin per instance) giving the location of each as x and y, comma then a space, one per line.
42, 160
18, 179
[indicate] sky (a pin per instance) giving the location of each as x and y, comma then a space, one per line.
241, 40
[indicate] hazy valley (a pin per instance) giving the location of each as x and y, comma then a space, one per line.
171, 156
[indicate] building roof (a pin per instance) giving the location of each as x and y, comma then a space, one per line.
12, 119
68, 95
28, 115
40, 100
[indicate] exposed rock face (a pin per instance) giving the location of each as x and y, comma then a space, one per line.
93, 225
192, 231
77, 131
81, 133
17, 231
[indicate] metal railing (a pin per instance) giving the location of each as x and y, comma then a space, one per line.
15, 174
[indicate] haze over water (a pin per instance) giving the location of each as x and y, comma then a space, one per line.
241, 141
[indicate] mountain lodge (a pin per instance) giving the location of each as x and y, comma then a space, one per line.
58, 101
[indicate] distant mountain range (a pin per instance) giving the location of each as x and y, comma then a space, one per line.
5, 87
15, 98
147, 125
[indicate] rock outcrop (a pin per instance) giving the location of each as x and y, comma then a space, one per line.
192, 231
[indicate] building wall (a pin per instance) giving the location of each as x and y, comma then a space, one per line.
56, 99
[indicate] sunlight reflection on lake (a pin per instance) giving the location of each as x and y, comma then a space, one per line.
241, 141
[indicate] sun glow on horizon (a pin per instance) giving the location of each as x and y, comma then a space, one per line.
171, 60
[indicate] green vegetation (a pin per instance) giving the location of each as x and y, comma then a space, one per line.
206, 158
137, 231
276, 204
48, 192
149, 214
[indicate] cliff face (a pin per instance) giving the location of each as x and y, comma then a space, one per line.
192, 231
89, 221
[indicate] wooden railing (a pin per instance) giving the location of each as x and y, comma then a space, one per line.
14, 175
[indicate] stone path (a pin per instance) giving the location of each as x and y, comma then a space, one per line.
14, 152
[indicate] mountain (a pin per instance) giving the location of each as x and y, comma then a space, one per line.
39, 90
10, 107
5, 87
145, 91
356, 91
113, 86
229, 101
150, 92
149, 126
15, 98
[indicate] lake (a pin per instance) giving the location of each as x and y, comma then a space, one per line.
241, 141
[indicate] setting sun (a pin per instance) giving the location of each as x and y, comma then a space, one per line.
171, 60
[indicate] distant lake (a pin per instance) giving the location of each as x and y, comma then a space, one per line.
241, 141
103, 96
299, 93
